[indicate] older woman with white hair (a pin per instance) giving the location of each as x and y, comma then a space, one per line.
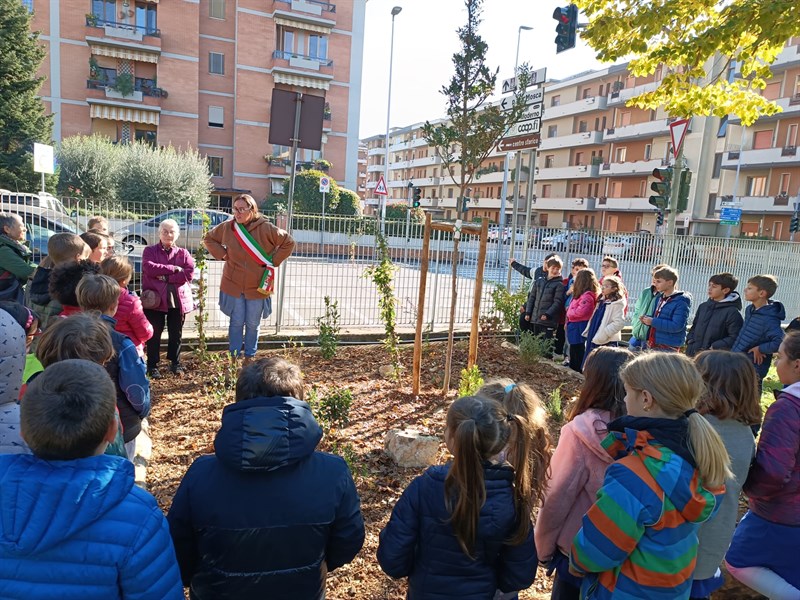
166, 295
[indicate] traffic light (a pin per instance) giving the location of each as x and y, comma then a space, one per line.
794, 224
683, 190
659, 218
662, 188
417, 195
566, 30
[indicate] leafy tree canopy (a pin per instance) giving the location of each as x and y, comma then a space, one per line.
690, 36
308, 198
22, 114
349, 203
88, 167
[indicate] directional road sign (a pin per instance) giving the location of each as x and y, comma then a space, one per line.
730, 215
524, 128
524, 142
537, 76
531, 97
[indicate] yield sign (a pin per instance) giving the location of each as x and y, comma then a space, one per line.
677, 130
380, 189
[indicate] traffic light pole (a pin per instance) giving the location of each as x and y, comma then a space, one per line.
408, 220
677, 171
795, 218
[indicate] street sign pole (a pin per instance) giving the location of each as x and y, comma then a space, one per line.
503, 195
322, 228
529, 203
677, 171
796, 213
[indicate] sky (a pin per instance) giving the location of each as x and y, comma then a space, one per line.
425, 40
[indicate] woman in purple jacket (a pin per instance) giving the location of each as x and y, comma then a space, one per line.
166, 295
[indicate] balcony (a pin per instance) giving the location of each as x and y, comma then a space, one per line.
638, 167
312, 7
638, 130
425, 161
573, 172
788, 57
764, 158
585, 138
567, 204
375, 168
142, 88
759, 204
423, 181
127, 31
405, 145
380, 150
302, 61
626, 94
632, 204
574, 108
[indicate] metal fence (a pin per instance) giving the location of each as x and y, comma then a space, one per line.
333, 254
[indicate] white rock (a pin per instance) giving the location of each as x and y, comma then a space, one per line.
410, 448
386, 371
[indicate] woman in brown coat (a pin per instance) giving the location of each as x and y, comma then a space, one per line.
250, 246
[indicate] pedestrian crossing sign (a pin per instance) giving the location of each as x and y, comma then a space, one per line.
380, 189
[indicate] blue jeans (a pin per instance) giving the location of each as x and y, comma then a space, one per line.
245, 321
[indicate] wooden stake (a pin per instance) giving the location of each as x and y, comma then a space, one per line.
476, 301
423, 280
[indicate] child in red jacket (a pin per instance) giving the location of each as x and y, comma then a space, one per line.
129, 316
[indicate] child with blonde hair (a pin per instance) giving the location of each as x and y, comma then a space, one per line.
639, 539
731, 404
763, 553
578, 465
458, 530
130, 315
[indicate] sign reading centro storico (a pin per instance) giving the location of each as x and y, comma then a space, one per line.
525, 142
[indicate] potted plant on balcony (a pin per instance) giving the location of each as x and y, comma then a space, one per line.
326, 112
124, 84
322, 165
91, 19
95, 73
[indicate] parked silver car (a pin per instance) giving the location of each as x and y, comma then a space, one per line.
190, 222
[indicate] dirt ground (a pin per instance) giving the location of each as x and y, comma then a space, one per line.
186, 415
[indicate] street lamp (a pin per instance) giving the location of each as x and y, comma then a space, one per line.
395, 11
519, 34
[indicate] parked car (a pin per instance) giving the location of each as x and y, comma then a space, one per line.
190, 222
573, 241
39, 200
641, 245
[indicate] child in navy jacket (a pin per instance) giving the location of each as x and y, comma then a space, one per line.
667, 323
719, 319
761, 333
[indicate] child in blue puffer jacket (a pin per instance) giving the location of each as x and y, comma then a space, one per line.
460, 530
73, 525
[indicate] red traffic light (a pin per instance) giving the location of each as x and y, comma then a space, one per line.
663, 174
561, 14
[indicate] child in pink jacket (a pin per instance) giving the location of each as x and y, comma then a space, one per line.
129, 316
585, 289
579, 464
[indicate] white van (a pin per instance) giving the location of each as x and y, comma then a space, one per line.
39, 200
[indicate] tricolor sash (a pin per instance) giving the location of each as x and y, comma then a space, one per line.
257, 253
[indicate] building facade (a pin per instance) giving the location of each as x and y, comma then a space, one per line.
594, 166
200, 74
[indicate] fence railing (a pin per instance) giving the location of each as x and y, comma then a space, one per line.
333, 253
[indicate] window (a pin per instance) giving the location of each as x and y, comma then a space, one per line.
146, 136
549, 159
318, 46
215, 166
624, 119
146, 17
583, 126
791, 135
107, 75
449, 192
797, 86
216, 9
717, 166
276, 186
105, 10
772, 91
216, 63
216, 116
552, 131
587, 93
642, 188
762, 139
648, 151
546, 190
576, 190
621, 154
783, 188
555, 100
756, 186
616, 189
579, 158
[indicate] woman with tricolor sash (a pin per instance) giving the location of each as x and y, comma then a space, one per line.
252, 248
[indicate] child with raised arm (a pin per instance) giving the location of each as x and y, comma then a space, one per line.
578, 465
763, 553
731, 404
73, 524
639, 539
761, 333
545, 302
458, 530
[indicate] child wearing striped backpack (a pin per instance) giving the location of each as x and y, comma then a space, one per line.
639, 539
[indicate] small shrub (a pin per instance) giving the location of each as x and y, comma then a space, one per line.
508, 305
471, 381
221, 385
348, 453
329, 329
333, 410
555, 405
533, 348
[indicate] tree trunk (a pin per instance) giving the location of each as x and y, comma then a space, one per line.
454, 291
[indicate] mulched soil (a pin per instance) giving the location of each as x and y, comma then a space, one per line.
186, 415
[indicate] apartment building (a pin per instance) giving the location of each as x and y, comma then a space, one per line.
594, 165
200, 73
